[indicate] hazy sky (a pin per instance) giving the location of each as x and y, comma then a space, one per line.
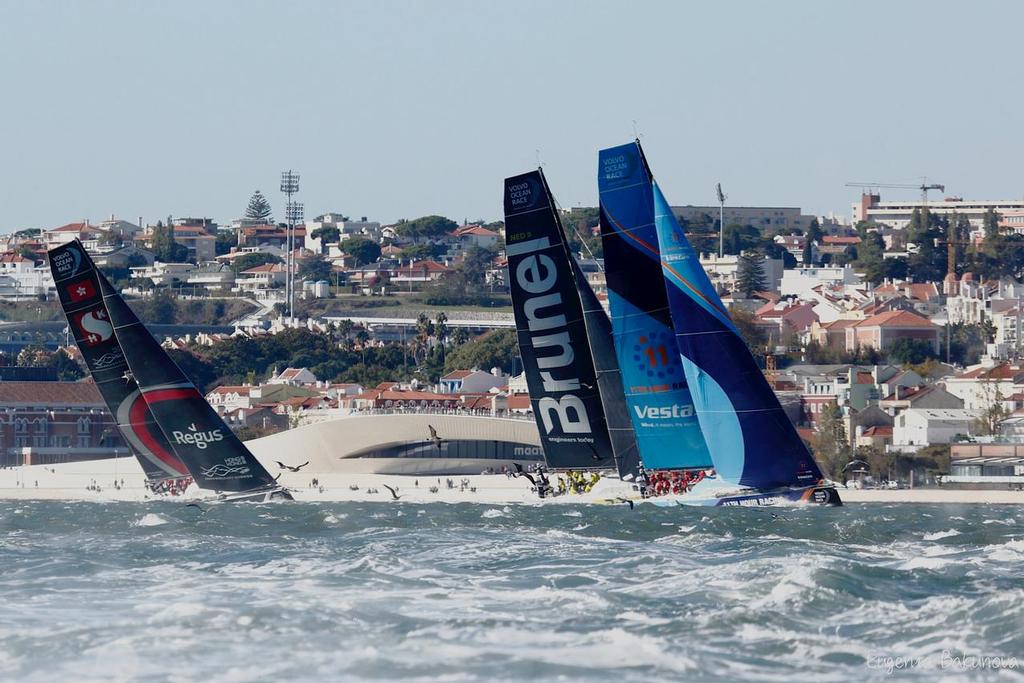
399, 109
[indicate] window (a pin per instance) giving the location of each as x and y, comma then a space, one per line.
41, 425
84, 424
83, 442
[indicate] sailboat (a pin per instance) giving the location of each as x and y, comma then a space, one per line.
564, 339
173, 422
756, 451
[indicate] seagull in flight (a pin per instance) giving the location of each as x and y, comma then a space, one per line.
289, 467
521, 473
435, 438
394, 493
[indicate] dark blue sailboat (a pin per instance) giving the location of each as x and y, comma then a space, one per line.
759, 457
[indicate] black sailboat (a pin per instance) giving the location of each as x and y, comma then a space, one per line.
200, 439
80, 292
564, 339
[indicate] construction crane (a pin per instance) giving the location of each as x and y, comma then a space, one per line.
925, 187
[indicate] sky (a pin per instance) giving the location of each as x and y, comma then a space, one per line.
394, 109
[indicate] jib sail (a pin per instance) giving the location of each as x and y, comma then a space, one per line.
753, 442
656, 391
79, 289
551, 331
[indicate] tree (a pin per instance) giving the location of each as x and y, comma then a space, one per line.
994, 413
426, 227
497, 348
158, 308
226, 240
257, 258
833, 448
363, 250
750, 277
315, 268
441, 332
748, 329
813, 235
739, 238
165, 249
258, 209
327, 234
68, 370
910, 351
475, 264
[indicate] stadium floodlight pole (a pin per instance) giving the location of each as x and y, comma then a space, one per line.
289, 186
721, 219
294, 212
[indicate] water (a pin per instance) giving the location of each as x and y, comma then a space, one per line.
308, 592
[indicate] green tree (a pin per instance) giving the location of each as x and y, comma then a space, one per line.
251, 260
158, 308
928, 262
475, 264
426, 227
739, 238
813, 236
497, 348
910, 351
327, 234
225, 242
750, 277
165, 249
832, 446
68, 370
363, 250
258, 209
315, 268
748, 329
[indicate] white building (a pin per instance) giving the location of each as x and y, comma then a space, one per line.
897, 214
926, 426
164, 273
472, 381
801, 282
21, 279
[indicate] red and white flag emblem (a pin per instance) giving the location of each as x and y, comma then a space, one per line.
83, 289
94, 327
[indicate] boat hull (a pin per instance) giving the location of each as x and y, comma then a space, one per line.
788, 497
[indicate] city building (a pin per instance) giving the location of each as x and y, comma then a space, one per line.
897, 214
765, 218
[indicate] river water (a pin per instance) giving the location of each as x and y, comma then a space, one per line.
404, 592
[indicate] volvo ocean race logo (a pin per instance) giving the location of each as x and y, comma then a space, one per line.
200, 439
537, 277
67, 261
522, 195
619, 166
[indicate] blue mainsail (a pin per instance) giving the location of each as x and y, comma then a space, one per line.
752, 441
667, 431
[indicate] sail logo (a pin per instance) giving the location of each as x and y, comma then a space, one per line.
200, 439
94, 326
672, 412
547, 327
618, 166
67, 261
523, 195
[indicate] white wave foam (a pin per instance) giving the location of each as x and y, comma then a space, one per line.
151, 519
334, 519
935, 536
572, 513
925, 563
494, 512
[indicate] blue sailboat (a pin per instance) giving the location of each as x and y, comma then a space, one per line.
664, 420
758, 455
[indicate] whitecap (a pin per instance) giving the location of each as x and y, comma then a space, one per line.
925, 563
492, 513
151, 519
572, 513
941, 534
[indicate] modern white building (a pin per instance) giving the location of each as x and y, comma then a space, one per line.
919, 427
724, 271
896, 214
801, 282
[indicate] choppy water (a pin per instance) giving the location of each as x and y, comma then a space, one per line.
161, 592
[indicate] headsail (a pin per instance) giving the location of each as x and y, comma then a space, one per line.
609, 377
753, 442
79, 289
655, 385
551, 331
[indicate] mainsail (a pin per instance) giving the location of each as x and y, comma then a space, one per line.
551, 330
656, 391
79, 287
211, 452
753, 441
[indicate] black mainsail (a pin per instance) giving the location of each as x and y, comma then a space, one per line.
211, 452
79, 289
552, 330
